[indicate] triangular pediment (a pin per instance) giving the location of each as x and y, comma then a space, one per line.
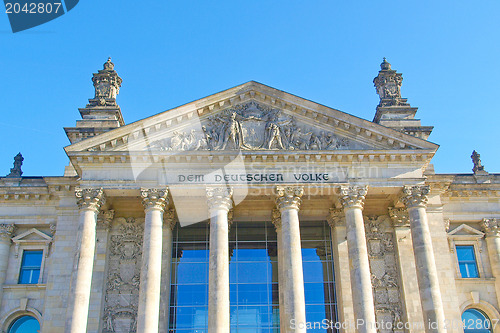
32, 236
251, 117
465, 230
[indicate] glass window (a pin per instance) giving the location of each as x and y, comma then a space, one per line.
253, 277
467, 261
25, 324
30, 266
475, 321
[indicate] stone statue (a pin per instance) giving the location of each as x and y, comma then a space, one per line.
273, 132
476, 159
16, 171
232, 132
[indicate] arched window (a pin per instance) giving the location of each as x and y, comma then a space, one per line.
475, 321
25, 324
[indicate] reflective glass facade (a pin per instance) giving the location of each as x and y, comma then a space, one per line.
253, 275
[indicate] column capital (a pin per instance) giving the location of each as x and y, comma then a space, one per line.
169, 218
154, 198
276, 218
288, 197
415, 196
90, 198
353, 196
219, 197
104, 219
491, 227
6, 231
336, 217
399, 217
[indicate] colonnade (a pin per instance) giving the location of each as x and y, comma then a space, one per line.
290, 274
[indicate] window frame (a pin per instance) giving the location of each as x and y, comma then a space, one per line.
468, 263
42, 262
465, 235
43, 243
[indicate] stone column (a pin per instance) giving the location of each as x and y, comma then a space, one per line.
219, 202
491, 227
89, 201
6, 231
288, 203
154, 201
336, 221
406, 263
276, 220
170, 222
415, 200
352, 199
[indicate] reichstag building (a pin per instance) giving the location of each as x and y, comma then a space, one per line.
250, 211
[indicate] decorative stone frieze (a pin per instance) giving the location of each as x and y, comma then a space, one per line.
88, 198
399, 217
383, 268
154, 198
219, 197
6, 231
276, 218
104, 219
251, 127
169, 218
415, 196
123, 276
353, 196
336, 217
491, 227
288, 197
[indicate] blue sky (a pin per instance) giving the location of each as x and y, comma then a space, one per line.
173, 52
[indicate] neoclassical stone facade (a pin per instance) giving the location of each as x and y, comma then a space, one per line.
251, 210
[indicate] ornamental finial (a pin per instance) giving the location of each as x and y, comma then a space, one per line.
16, 171
476, 159
107, 85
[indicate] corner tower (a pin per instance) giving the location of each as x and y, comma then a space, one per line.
394, 111
102, 113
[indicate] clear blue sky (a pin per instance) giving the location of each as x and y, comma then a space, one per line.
173, 52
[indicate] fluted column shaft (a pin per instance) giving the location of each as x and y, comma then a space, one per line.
492, 229
288, 203
219, 203
415, 200
89, 201
352, 199
6, 231
154, 201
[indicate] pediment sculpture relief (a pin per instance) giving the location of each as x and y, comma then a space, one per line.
251, 127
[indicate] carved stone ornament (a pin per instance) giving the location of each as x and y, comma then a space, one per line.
170, 219
107, 85
251, 127
88, 198
388, 84
276, 218
399, 217
353, 196
219, 197
154, 198
491, 227
383, 269
6, 231
288, 197
104, 219
123, 277
336, 217
476, 159
16, 171
415, 196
